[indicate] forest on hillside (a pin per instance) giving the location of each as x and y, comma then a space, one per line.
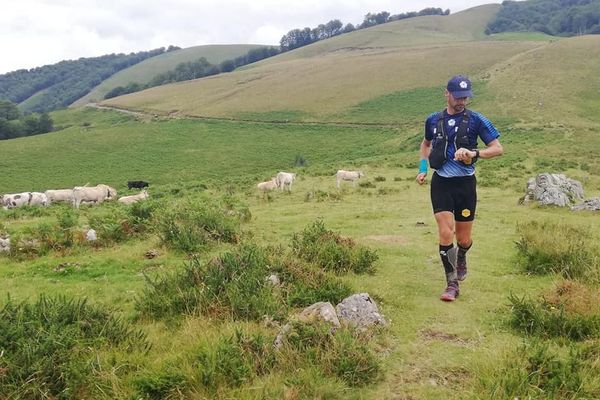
553, 17
58, 85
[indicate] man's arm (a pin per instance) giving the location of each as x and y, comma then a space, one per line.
424, 151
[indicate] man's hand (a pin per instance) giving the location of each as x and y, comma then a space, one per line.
421, 178
464, 155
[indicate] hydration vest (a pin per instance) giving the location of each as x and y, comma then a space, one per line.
439, 151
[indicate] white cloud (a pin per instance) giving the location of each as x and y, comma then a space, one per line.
39, 32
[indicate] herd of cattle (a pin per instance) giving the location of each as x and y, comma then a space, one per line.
75, 196
99, 193
284, 180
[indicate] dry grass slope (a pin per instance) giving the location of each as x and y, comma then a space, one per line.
321, 81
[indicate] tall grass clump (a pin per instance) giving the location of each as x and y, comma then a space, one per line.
111, 226
344, 354
48, 347
332, 251
232, 285
305, 284
234, 360
546, 247
193, 225
546, 319
537, 372
163, 384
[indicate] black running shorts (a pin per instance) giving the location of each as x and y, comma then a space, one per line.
457, 195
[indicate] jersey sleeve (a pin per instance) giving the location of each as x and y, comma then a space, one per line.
486, 130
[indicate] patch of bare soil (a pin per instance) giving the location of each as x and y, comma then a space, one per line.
389, 239
429, 334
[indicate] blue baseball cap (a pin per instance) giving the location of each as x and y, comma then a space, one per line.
459, 86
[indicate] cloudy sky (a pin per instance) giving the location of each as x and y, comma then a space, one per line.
40, 32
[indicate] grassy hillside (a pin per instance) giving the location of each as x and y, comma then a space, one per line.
526, 324
311, 83
146, 70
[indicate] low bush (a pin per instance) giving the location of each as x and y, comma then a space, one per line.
235, 360
331, 251
546, 247
547, 319
535, 371
231, 285
111, 227
48, 346
303, 285
192, 226
161, 384
343, 354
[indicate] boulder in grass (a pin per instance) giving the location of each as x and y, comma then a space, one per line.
360, 310
553, 189
592, 204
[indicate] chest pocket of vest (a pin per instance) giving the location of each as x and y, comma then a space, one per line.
439, 151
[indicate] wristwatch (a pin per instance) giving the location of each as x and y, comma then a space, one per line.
476, 155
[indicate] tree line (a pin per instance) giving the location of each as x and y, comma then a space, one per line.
553, 17
301, 37
195, 69
56, 86
14, 124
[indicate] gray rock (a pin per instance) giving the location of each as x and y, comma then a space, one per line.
273, 279
90, 236
360, 310
592, 204
321, 311
5, 244
553, 189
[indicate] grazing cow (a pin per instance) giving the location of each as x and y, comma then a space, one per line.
134, 198
268, 185
13, 200
59, 195
96, 194
38, 199
137, 184
352, 176
285, 179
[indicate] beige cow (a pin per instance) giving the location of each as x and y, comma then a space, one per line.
96, 194
351, 176
134, 198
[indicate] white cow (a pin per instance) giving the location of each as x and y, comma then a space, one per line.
285, 179
13, 200
134, 198
268, 185
59, 195
96, 194
38, 199
352, 176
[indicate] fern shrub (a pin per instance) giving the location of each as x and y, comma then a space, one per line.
331, 251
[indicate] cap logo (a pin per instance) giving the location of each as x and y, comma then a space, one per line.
463, 85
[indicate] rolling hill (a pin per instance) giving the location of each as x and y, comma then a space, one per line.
331, 80
143, 72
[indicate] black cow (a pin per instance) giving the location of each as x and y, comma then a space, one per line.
137, 184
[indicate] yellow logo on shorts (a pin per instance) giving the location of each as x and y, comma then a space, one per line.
466, 212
